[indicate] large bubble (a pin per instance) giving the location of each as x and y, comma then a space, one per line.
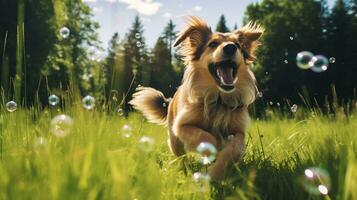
303, 59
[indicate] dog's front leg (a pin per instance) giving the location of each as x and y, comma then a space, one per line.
227, 157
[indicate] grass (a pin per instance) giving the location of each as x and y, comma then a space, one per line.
95, 161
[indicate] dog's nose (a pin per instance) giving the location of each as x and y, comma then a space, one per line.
230, 49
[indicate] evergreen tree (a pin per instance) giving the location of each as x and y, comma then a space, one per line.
135, 60
221, 25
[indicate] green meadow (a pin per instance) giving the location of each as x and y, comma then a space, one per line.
99, 159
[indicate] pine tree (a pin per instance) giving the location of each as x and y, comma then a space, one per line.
135, 60
169, 35
221, 25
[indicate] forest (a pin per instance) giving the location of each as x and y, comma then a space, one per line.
37, 60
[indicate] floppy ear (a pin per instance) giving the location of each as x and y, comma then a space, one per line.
248, 37
193, 37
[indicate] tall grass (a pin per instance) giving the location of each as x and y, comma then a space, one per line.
95, 161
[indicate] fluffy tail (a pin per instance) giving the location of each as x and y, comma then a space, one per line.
152, 103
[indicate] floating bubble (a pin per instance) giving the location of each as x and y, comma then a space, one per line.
207, 152
260, 94
164, 105
201, 177
324, 30
64, 32
40, 142
146, 143
61, 125
319, 63
332, 60
11, 106
286, 61
303, 59
266, 73
88, 102
230, 137
138, 44
294, 108
120, 112
53, 100
137, 35
291, 38
316, 181
278, 104
271, 103
126, 131
94, 54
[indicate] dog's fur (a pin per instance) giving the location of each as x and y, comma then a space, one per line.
205, 108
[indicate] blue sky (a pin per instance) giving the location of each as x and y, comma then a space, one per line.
117, 15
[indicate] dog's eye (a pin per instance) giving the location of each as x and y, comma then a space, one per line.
238, 45
213, 44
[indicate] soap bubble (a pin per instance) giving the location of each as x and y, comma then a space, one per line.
11, 106
138, 44
53, 100
146, 143
126, 131
137, 35
61, 125
88, 102
316, 181
303, 59
207, 152
260, 94
120, 112
332, 60
271, 103
294, 108
319, 63
286, 61
291, 38
64, 32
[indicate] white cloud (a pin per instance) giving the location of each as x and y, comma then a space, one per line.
111, 1
144, 7
167, 15
197, 8
97, 10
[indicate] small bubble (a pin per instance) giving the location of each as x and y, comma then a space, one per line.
324, 30
61, 125
230, 137
266, 73
126, 131
137, 35
199, 177
164, 105
88, 102
40, 142
94, 54
53, 100
207, 152
319, 63
294, 108
291, 38
138, 44
271, 103
146, 143
260, 94
303, 59
11, 106
278, 104
316, 181
64, 32
286, 61
332, 60
120, 112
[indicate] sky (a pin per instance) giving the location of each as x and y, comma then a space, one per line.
118, 15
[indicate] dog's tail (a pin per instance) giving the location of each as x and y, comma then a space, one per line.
152, 103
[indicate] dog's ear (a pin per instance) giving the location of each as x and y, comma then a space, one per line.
248, 37
193, 37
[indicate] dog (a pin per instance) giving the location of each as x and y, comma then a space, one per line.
211, 104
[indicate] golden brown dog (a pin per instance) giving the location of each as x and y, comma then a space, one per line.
211, 105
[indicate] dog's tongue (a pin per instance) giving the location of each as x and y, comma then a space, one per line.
225, 74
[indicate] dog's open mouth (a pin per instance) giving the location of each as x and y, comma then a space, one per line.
224, 73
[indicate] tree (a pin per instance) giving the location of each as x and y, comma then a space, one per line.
135, 60
221, 25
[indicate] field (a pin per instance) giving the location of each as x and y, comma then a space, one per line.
99, 159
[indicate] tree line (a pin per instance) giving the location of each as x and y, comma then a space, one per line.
37, 61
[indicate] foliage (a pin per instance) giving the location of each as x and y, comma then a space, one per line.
221, 25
